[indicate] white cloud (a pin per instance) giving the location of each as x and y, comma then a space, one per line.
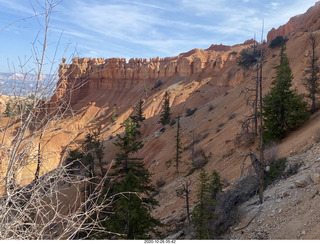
118, 21
16, 6
274, 5
111, 28
148, 5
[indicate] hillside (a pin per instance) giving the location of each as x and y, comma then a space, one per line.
211, 82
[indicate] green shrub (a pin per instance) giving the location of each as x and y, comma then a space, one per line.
190, 111
276, 171
248, 57
278, 42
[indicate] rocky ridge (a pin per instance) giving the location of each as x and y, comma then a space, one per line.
303, 22
84, 75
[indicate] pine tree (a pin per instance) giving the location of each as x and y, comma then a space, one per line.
215, 184
165, 115
114, 114
91, 150
8, 111
83, 159
139, 117
311, 79
283, 108
207, 190
131, 211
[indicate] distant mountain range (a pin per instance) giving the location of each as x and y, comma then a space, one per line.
22, 85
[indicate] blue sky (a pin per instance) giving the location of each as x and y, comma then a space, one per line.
132, 28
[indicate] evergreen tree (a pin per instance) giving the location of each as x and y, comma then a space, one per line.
8, 111
139, 117
215, 184
114, 114
283, 108
207, 190
311, 79
165, 115
83, 159
131, 210
91, 150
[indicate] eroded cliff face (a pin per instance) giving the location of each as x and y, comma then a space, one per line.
85, 75
310, 21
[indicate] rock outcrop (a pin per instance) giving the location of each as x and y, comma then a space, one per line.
308, 21
84, 75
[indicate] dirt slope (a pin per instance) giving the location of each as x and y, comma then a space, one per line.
291, 209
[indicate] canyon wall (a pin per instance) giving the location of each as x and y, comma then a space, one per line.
84, 75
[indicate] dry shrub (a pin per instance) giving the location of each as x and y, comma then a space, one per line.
198, 153
160, 183
317, 136
231, 116
190, 111
196, 140
44, 209
226, 211
199, 162
219, 126
244, 139
271, 153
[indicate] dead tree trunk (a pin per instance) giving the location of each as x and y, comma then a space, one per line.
186, 192
36, 175
260, 129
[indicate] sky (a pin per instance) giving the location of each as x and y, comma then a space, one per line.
130, 28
